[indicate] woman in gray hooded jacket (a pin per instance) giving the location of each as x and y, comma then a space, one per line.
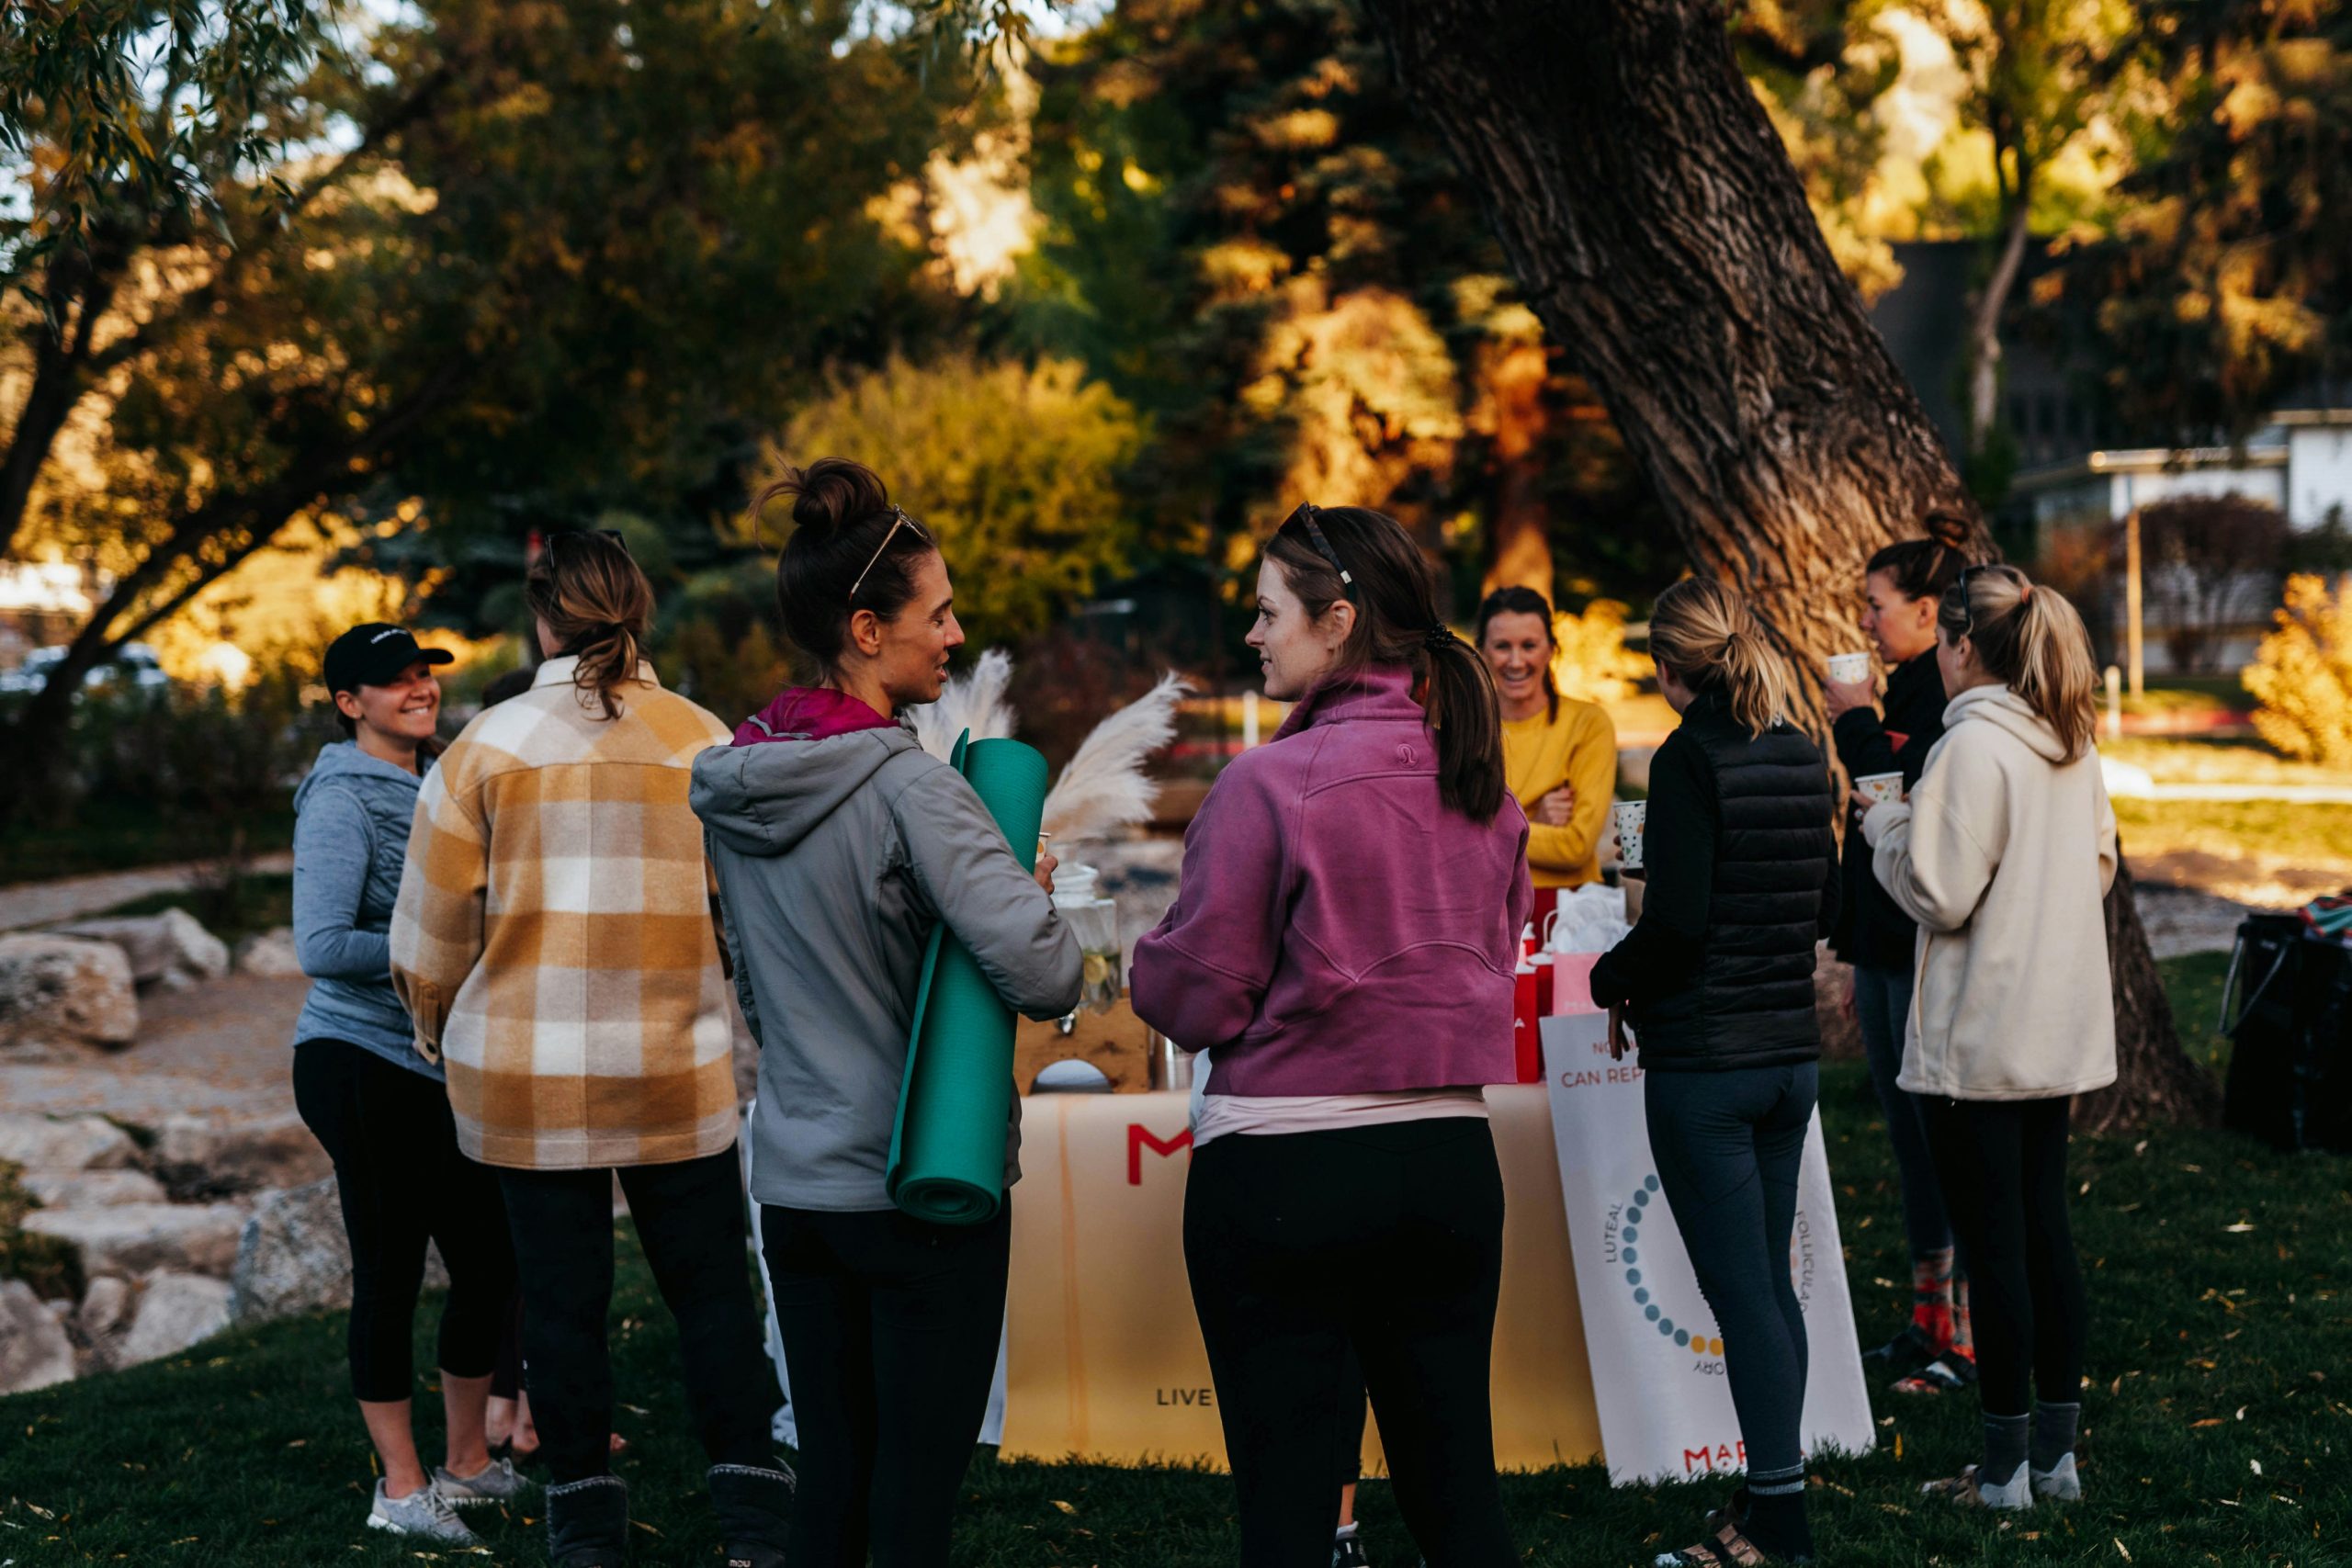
378, 1108
840, 845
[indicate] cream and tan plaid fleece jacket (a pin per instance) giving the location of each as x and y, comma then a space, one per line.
553, 941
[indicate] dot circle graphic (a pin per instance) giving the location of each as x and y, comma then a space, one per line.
1667, 1328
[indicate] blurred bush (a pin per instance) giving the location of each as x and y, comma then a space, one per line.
2302, 674
1015, 468
1593, 661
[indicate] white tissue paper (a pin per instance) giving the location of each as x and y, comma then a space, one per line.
1589, 920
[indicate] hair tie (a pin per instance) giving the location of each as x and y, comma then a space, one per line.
2025, 594
1438, 637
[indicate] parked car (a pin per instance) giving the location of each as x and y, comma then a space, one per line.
134, 668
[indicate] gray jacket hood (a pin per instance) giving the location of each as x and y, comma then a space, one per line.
762, 799
2010, 713
382, 785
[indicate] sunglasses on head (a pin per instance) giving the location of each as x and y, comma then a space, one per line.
899, 520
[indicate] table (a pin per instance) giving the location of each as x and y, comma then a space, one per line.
1105, 1359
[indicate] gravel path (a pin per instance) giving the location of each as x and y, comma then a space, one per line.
27, 904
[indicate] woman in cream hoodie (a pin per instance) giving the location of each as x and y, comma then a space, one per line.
2004, 854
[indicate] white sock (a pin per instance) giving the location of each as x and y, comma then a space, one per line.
1346, 1532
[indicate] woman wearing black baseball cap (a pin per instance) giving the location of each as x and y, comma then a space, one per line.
381, 1108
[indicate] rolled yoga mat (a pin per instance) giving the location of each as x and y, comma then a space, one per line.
947, 1150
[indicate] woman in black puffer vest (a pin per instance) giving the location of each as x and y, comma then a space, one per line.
1717, 979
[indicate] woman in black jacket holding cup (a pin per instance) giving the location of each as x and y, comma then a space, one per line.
1902, 585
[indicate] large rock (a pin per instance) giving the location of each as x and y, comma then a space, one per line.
294, 1257
73, 1142
175, 1312
270, 955
92, 1189
171, 947
134, 1238
34, 1349
60, 992
1833, 982
201, 1154
106, 1307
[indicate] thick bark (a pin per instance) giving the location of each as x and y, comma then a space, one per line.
1659, 232
1657, 229
2155, 1080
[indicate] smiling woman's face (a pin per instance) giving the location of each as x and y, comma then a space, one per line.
406, 708
1294, 650
1518, 649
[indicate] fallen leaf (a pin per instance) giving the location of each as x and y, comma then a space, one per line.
1065, 1507
2240, 1413
2120, 1548
2239, 1229
2209, 1421
2255, 1464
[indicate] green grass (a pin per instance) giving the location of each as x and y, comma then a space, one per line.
2220, 1343
2217, 760
2191, 693
2288, 832
107, 836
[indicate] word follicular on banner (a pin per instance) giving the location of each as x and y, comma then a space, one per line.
1657, 1356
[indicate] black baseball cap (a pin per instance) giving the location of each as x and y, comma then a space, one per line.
372, 654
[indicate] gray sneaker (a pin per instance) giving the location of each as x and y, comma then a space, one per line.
496, 1483
423, 1515
2061, 1483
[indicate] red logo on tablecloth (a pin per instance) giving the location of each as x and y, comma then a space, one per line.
1139, 1137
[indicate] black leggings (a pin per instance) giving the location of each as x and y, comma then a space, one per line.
1386, 1239
890, 1327
2003, 1169
403, 1181
1728, 1148
690, 1221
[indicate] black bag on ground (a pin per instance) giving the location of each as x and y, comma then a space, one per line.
2286, 1009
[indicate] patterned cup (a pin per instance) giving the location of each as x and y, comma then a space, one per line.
1879, 789
1848, 668
1631, 814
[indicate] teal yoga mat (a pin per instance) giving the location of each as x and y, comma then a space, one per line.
947, 1150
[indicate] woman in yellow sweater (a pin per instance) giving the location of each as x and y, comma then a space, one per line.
1559, 753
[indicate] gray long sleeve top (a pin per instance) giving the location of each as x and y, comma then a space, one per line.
351, 825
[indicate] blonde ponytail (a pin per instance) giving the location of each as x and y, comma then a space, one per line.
2034, 642
1702, 631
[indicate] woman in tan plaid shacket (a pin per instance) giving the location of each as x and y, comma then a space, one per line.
553, 939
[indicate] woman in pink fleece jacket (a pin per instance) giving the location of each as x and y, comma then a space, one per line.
1344, 943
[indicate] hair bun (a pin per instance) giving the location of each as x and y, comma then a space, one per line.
1949, 529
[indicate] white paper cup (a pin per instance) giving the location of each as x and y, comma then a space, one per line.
1879, 789
1631, 816
1848, 668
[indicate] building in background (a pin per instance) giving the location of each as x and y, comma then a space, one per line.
2076, 482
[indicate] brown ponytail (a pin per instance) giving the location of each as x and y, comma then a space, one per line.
2034, 641
1702, 630
598, 603
1398, 622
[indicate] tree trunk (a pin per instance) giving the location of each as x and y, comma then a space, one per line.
1659, 232
1984, 324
